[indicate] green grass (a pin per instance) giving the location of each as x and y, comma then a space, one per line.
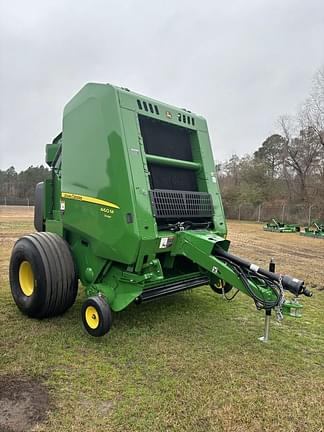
190, 362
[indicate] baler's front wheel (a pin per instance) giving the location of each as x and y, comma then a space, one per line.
221, 287
42, 276
96, 316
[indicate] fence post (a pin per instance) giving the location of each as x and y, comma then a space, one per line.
309, 213
259, 213
283, 212
27, 202
239, 212
5, 201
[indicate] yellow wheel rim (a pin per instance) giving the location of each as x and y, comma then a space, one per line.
219, 283
26, 278
92, 317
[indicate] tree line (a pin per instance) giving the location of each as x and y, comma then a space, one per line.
14, 185
289, 164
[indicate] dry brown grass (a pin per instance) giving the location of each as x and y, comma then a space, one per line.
294, 254
9, 213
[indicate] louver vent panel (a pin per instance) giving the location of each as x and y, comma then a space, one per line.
148, 107
181, 204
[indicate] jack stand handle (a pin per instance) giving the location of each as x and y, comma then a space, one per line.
265, 336
272, 266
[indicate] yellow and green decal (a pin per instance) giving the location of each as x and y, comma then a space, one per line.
88, 199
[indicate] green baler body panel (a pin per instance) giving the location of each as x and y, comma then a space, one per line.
103, 157
99, 196
95, 164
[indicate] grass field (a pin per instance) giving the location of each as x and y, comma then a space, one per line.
189, 362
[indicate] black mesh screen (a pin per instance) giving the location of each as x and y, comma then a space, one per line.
167, 140
167, 177
164, 139
181, 205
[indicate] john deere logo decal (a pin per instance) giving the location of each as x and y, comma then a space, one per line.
168, 114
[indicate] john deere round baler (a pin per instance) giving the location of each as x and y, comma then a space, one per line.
133, 211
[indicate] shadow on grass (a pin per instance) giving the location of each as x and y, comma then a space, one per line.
178, 315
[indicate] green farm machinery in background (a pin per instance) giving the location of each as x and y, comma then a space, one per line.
133, 211
315, 230
280, 227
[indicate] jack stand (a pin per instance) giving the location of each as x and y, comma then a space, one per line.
272, 266
265, 336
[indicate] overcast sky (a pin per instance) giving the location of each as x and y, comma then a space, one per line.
238, 63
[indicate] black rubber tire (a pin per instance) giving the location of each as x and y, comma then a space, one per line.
55, 279
219, 290
39, 207
104, 317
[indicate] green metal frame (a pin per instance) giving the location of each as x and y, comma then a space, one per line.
279, 227
315, 230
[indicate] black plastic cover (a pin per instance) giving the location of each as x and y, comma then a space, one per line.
39, 205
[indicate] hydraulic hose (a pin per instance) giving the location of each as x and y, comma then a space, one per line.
245, 274
295, 286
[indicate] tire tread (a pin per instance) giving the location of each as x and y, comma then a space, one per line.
60, 282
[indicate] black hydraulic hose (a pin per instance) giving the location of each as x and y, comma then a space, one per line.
295, 286
243, 275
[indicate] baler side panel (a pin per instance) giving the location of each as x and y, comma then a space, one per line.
94, 168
